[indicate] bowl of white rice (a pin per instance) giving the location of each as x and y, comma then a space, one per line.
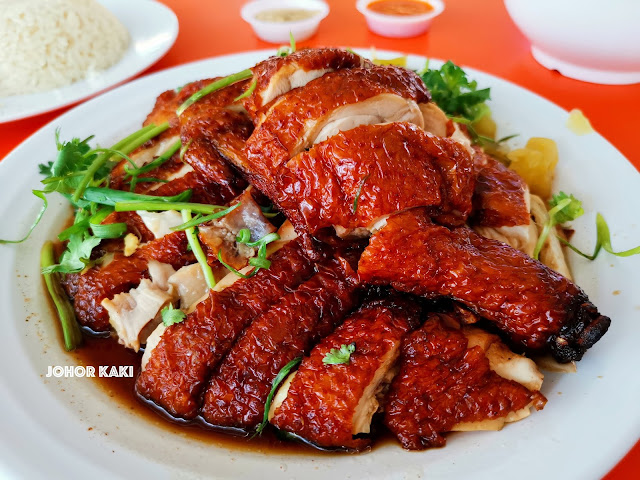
47, 44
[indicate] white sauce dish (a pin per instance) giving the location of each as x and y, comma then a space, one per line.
399, 26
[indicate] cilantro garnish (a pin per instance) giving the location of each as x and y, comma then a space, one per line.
171, 316
454, 93
339, 356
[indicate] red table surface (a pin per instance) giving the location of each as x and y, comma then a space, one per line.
475, 33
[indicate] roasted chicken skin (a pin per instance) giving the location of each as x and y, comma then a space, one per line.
500, 197
238, 391
358, 176
87, 290
187, 353
329, 404
295, 120
535, 306
278, 75
444, 382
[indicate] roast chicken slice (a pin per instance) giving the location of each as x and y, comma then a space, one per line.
238, 391
534, 306
446, 383
359, 176
330, 405
278, 75
294, 121
87, 290
179, 365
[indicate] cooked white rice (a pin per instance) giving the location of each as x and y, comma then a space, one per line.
45, 44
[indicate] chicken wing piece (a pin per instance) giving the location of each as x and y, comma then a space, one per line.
278, 75
535, 306
87, 290
356, 177
445, 383
186, 354
238, 391
337, 101
328, 404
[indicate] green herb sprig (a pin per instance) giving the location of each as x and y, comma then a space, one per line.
452, 91
564, 208
339, 356
171, 316
260, 260
196, 248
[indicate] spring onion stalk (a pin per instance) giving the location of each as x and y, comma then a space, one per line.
282, 374
196, 248
549, 225
125, 146
358, 193
111, 197
165, 206
199, 219
212, 87
234, 271
40, 194
134, 172
247, 92
603, 241
66, 315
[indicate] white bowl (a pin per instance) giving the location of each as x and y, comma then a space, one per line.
278, 32
590, 40
399, 26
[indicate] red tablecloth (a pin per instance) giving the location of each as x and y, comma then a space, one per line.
469, 32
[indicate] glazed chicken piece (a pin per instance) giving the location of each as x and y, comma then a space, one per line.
501, 197
356, 177
87, 290
330, 405
238, 391
278, 75
337, 101
502, 205
446, 384
208, 133
221, 235
535, 306
185, 355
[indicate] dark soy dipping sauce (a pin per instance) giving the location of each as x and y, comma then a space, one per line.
96, 351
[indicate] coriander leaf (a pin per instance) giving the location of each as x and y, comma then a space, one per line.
77, 255
171, 316
568, 213
452, 91
282, 374
339, 356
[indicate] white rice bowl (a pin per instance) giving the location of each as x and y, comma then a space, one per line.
46, 44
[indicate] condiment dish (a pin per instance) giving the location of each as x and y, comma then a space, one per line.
278, 31
399, 26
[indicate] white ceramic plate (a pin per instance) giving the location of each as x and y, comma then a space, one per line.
153, 29
69, 427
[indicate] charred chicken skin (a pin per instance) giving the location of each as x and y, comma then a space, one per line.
535, 306
187, 353
329, 404
358, 176
443, 382
238, 391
